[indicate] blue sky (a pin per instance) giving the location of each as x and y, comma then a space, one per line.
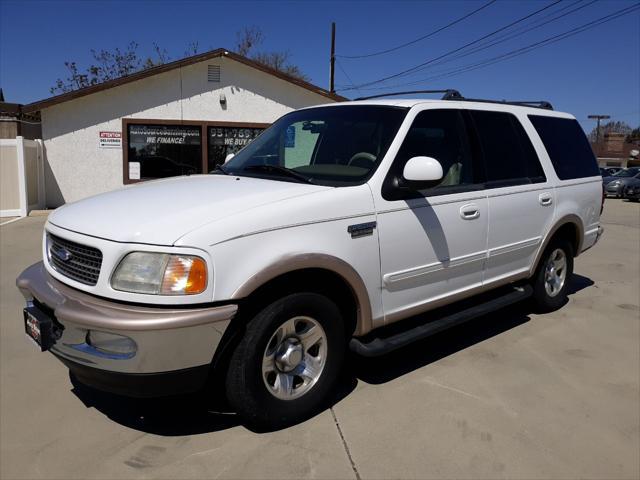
597, 71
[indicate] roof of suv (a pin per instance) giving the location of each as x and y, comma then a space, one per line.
488, 105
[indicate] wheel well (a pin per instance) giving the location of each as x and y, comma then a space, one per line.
317, 280
569, 231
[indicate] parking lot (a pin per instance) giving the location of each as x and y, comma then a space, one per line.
509, 395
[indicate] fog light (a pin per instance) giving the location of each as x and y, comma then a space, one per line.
111, 343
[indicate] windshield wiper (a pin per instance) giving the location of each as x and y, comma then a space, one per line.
278, 170
220, 168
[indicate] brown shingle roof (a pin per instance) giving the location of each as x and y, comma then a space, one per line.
220, 52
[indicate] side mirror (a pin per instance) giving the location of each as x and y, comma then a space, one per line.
229, 157
421, 172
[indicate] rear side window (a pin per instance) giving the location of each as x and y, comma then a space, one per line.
509, 156
567, 146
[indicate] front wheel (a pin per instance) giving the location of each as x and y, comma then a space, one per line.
551, 281
287, 361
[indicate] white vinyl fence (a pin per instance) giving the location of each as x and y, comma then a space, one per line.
21, 177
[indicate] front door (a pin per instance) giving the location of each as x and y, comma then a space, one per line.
433, 242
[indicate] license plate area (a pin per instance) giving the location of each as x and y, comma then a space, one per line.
39, 327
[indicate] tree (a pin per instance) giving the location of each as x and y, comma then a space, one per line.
108, 65
250, 38
610, 127
634, 136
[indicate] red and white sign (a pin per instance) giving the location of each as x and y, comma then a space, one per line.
110, 139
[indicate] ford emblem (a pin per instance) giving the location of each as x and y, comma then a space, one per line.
63, 254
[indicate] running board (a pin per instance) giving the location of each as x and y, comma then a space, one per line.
373, 347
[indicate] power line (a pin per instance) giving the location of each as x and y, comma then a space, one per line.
393, 49
520, 32
347, 75
502, 38
422, 65
533, 22
522, 50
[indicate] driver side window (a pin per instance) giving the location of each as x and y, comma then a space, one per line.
442, 135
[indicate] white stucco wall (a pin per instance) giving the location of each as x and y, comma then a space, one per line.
75, 166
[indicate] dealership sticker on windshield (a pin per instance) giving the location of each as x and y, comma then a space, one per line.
110, 139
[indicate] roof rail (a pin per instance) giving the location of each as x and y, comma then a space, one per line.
451, 94
448, 94
522, 103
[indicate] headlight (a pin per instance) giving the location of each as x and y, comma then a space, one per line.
160, 274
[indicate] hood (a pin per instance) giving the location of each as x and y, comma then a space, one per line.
159, 212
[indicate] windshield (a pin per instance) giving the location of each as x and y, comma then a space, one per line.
628, 172
335, 146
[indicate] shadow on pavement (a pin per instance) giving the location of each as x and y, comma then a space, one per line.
192, 414
170, 416
387, 367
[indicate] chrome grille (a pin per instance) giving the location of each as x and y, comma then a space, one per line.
78, 262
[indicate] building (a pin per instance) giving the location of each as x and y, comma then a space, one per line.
179, 118
614, 151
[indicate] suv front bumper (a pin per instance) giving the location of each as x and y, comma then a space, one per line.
172, 347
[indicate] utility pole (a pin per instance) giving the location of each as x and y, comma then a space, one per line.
332, 63
598, 118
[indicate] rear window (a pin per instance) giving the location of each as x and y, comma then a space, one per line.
509, 156
567, 146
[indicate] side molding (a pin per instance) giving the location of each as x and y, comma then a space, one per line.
292, 263
568, 219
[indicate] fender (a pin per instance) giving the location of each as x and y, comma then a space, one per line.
294, 262
572, 219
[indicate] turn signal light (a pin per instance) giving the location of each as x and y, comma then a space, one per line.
184, 274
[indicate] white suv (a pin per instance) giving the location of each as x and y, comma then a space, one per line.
335, 223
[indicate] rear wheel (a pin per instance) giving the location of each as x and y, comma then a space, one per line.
552, 278
287, 361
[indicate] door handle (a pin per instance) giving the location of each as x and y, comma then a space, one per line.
545, 199
469, 211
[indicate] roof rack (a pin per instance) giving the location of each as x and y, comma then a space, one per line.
448, 94
451, 94
522, 103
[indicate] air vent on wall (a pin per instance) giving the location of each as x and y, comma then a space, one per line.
213, 73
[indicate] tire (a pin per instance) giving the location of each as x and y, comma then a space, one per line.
550, 284
266, 384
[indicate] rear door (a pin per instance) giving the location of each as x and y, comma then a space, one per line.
520, 198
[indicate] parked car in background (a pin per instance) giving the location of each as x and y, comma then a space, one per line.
614, 185
335, 223
632, 189
609, 171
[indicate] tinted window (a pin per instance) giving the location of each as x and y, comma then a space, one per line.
440, 134
567, 146
157, 151
509, 156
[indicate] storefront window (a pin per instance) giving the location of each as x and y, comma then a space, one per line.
226, 140
157, 151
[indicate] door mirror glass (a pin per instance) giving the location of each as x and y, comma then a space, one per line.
422, 172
